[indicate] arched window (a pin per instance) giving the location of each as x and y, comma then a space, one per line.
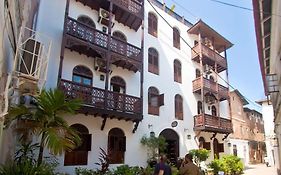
153, 61
178, 107
153, 101
177, 71
152, 24
86, 20
82, 75
119, 35
214, 111
79, 156
199, 107
197, 73
116, 146
216, 148
117, 84
204, 144
176, 38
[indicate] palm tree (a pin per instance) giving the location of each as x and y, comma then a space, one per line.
45, 120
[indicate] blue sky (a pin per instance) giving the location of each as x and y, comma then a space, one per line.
237, 25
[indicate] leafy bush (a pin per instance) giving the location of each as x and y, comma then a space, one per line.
104, 159
26, 167
126, 170
199, 155
154, 144
229, 164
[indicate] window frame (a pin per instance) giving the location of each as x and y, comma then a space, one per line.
153, 61
176, 38
178, 107
84, 73
153, 94
177, 71
152, 24
116, 146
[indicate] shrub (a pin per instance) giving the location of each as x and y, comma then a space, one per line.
126, 170
199, 155
229, 164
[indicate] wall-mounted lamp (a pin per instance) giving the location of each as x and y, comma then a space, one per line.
185, 129
149, 126
229, 144
188, 136
152, 134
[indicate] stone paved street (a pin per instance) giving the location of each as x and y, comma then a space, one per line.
260, 169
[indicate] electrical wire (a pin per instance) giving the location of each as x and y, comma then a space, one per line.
198, 53
244, 8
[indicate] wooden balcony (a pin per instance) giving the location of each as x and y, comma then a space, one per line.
209, 57
94, 43
99, 103
210, 86
209, 123
127, 12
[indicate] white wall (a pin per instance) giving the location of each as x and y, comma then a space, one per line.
242, 149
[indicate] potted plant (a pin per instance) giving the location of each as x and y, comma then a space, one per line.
153, 145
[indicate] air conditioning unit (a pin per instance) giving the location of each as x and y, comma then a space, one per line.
104, 17
208, 69
100, 65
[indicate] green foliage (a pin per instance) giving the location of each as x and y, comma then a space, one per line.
199, 155
26, 167
216, 165
154, 144
85, 171
175, 170
229, 164
45, 120
126, 170
103, 161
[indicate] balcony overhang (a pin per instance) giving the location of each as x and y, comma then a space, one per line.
129, 12
209, 123
220, 43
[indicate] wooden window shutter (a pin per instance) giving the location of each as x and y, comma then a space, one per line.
122, 144
221, 147
161, 100
207, 145
88, 138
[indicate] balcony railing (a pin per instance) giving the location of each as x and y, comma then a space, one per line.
93, 97
93, 36
133, 6
207, 122
210, 86
210, 54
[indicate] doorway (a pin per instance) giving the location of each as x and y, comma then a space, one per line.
172, 140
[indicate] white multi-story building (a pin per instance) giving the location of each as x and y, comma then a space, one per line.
270, 136
139, 69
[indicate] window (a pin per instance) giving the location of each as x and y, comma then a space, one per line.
178, 107
154, 101
234, 150
214, 111
152, 24
199, 107
117, 84
177, 71
204, 144
119, 35
86, 20
153, 61
79, 156
176, 38
211, 78
82, 75
197, 73
116, 146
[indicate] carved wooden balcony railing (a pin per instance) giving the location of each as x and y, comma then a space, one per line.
97, 102
210, 86
209, 123
128, 12
133, 6
84, 35
210, 57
